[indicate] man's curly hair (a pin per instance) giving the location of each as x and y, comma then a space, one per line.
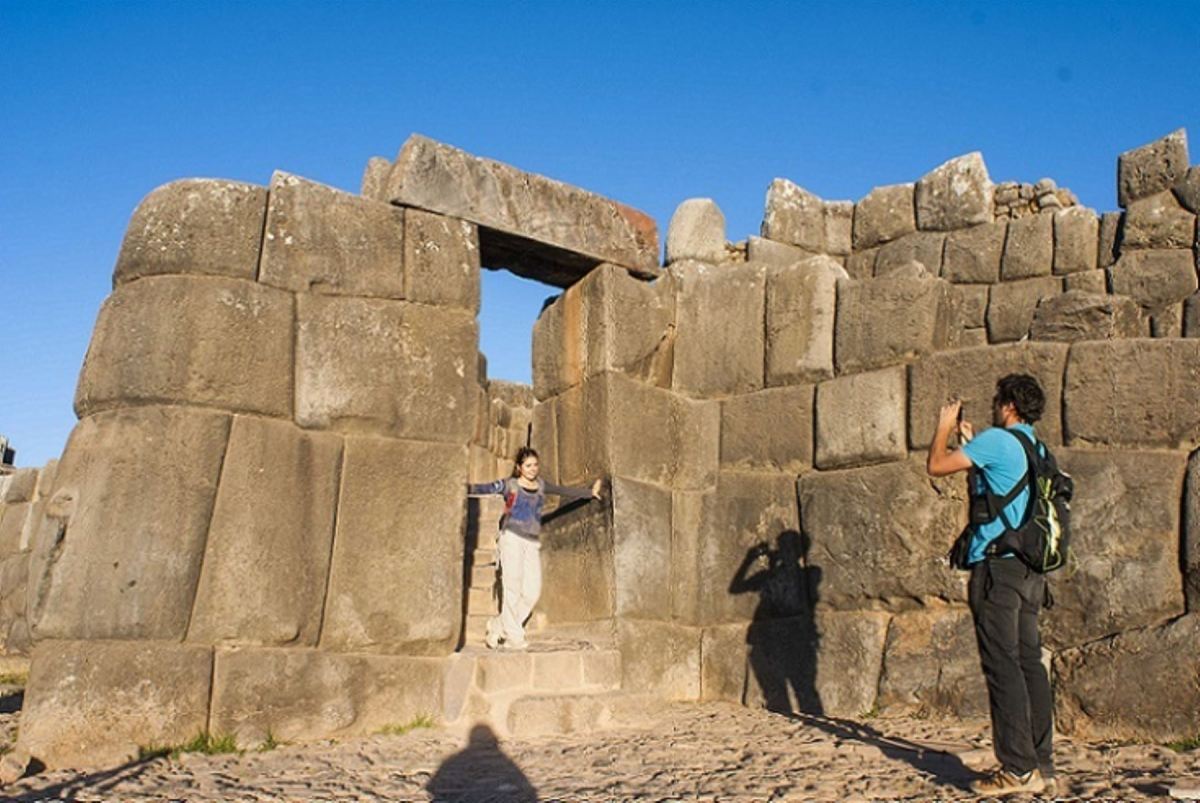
1025, 394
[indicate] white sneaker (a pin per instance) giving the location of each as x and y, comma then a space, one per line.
491, 635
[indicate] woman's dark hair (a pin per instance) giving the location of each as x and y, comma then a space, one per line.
523, 454
1024, 393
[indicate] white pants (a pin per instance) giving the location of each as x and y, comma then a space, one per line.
521, 578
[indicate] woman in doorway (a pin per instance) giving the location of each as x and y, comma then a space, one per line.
520, 545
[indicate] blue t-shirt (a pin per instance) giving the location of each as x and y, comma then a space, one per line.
1001, 461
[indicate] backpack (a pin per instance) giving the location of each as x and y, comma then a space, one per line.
1042, 540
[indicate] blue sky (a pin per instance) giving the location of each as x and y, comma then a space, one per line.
649, 103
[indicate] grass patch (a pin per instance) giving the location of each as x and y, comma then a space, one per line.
269, 743
203, 742
419, 721
14, 678
1185, 745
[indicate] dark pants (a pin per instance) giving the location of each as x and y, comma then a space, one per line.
1005, 598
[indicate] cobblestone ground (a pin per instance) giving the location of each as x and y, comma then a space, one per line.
699, 752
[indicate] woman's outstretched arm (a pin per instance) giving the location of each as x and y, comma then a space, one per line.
574, 491
486, 488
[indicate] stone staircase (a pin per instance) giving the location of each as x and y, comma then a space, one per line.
567, 681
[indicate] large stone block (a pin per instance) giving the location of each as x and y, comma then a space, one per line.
697, 231
1155, 279
297, 694
1088, 281
795, 216
931, 664
1107, 394
530, 224
861, 264
1152, 168
374, 178
196, 226
801, 301
771, 430
616, 426
327, 241
210, 342
723, 663
610, 321
1076, 240
828, 665
738, 554
395, 523
21, 486
884, 214
924, 247
1187, 190
119, 552
1110, 235
769, 252
641, 522
719, 328
974, 305
889, 321
970, 375
955, 195
1158, 221
441, 260
267, 558
1124, 565
660, 657
973, 255
1136, 686
1028, 248
95, 703
861, 419
880, 534
578, 553
839, 222
543, 437
387, 367
1011, 306
1191, 535
1076, 315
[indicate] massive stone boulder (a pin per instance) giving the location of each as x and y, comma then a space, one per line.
1077, 315
883, 215
696, 231
893, 320
1152, 168
728, 300
801, 301
955, 195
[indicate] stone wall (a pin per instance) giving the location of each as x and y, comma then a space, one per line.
764, 413
503, 419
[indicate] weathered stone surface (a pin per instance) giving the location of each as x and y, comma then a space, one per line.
532, 225
880, 533
931, 665
719, 328
1108, 396
327, 241
892, 320
1158, 221
974, 304
697, 231
973, 255
185, 340
13, 519
1151, 168
970, 338
861, 264
543, 437
1028, 248
861, 419
839, 222
374, 178
955, 195
770, 430
1125, 528
1088, 281
1187, 190
386, 367
1167, 321
795, 216
1191, 316
119, 553
970, 375
884, 214
196, 226
1076, 240
924, 247
295, 694
1155, 279
394, 523
760, 249
267, 556
723, 663
578, 556
660, 657
1076, 315
95, 703
20, 487
1110, 235
441, 260
616, 426
641, 549
718, 574
610, 321
828, 665
1138, 685
1011, 306
1191, 535
801, 301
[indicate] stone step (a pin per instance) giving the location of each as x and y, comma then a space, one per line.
559, 714
483, 557
483, 576
487, 538
481, 601
476, 628
554, 670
